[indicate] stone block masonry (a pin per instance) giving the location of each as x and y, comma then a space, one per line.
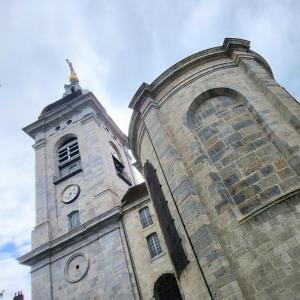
234, 135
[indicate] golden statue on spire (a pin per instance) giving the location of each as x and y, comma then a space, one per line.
73, 76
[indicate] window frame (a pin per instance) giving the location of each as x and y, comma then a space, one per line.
69, 152
114, 151
145, 217
154, 245
119, 166
68, 159
77, 219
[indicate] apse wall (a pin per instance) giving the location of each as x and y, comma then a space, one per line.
224, 137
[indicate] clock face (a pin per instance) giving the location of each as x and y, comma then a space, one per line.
70, 193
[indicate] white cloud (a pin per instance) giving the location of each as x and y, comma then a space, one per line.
14, 278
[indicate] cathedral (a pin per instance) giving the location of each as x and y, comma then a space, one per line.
216, 139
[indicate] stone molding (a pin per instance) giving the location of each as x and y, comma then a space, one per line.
231, 44
41, 225
199, 58
74, 107
88, 118
126, 208
72, 237
268, 205
137, 127
105, 191
236, 49
75, 255
39, 144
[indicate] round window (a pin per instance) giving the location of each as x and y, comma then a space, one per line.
76, 267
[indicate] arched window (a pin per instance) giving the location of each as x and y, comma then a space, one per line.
120, 168
165, 219
115, 152
153, 244
68, 152
166, 288
73, 219
68, 160
145, 217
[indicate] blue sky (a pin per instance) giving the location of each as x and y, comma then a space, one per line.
114, 46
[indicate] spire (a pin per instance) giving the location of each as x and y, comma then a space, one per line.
73, 87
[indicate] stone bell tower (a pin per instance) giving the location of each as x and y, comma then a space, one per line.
82, 172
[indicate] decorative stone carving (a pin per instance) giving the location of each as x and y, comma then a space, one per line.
76, 267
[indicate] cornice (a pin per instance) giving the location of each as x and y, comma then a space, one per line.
230, 46
136, 203
72, 107
235, 49
234, 44
39, 144
135, 132
188, 80
72, 237
56, 115
91, 116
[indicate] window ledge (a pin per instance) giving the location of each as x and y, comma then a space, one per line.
59, 178
73, 228
158, 256
148, 227
69, 161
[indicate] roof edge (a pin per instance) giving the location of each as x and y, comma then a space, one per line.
145, 90
229, 45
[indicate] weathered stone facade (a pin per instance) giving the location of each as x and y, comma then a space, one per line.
94, 259
88, 261
224, 139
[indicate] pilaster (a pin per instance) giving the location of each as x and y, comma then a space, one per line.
285, 132
193, 224
41, 232
97, 166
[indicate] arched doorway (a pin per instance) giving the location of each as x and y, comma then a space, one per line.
166, 288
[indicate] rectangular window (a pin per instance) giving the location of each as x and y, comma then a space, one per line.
74, 219
145, 217
153, 244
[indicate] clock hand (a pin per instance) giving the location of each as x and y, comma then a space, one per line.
68, 195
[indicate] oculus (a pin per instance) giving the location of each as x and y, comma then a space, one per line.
76, 267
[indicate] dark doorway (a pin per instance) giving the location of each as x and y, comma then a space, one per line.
166, 288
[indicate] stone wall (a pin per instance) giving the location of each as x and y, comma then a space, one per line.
249, 166
147, 269
226, 142
100, 187
93, 268
99, 265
